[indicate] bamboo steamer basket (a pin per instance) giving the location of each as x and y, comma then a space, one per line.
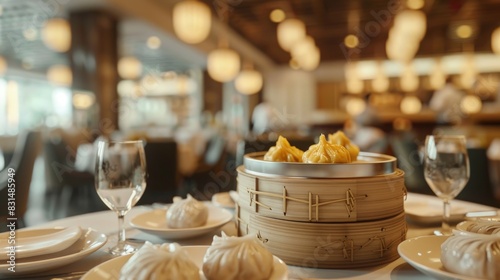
327, 245
369, 189
324, 215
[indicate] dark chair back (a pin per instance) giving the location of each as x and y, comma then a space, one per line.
162, 178
478, 189
23, 160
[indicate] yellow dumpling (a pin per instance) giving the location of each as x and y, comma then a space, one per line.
340, 138
325, 152
283, 151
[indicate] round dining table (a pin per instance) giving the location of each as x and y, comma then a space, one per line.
106, 222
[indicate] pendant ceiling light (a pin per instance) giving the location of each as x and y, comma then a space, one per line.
409, 80
495, 41
192, 21
223, 64
3, 65
289, 32
381, 82
56, 34
249, 81
60, 75
129, 68
437, 77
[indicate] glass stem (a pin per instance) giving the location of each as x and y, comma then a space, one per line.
446, 216
121, 230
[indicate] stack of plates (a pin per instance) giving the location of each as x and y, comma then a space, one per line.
44, 249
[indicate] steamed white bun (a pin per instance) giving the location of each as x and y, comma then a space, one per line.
242, 258
156, 262
476, 255
187, 213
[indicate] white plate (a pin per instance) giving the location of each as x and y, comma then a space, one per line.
29, 244
427, 209
155, 222
110, 270
89, 241
223, 200
424, 254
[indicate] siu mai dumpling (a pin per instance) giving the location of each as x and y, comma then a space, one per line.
326, 152
340, 138
283, 151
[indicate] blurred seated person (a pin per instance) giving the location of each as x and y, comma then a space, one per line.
363, 132
368, 138
446, 103
265, 118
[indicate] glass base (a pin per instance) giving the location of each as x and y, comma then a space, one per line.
441, 232
122, 250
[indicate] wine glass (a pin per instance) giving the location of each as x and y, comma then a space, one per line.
120, 181
446, 170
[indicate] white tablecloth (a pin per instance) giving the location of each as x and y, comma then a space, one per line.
106, 222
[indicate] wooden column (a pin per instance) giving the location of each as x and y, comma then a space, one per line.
93, 58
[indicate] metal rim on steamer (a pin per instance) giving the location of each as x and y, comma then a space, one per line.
367, 165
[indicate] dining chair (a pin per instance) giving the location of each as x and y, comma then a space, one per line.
27, 149
205, 181
162, 172
68, 191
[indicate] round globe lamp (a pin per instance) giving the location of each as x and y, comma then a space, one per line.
56, 34
249, 82
289, 32
191, 21
223, 64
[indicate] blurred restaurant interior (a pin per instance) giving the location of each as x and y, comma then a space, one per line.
204, 82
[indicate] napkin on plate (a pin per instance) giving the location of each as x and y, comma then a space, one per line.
31, 244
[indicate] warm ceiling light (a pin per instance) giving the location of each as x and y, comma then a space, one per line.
355, 106
410, 105
289, 32
351, 41
223, 64
415, 4
126, 88
60, 75
303, 47
310, 61
381, 82
30, 34
471, 104
294, 64
437, 77
277, 15
83, 100
353, 83
3, 65
153, 42
464, 31
409, 80
56, 34
129, 67
249, 81
469, 73
192, 21
495, 41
